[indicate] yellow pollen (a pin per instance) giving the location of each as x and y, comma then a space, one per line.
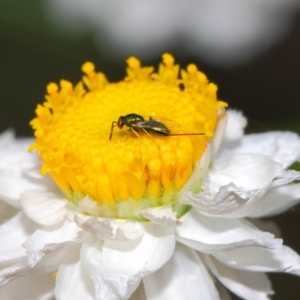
138, 167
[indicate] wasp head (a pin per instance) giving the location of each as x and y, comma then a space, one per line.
121, 122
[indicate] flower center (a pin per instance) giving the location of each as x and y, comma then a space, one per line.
159, 125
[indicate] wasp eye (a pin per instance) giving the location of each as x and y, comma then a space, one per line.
121, 122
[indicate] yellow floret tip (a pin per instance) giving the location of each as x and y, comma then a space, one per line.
192, 69
134, 170
52, 88
88, 68
133, 63
222, 104
168, 59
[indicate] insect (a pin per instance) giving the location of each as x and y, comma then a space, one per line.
137, 123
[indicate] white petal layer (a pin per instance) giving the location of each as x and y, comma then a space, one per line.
28, 288
267, 225
19, 267
124, 263
13, 152
43, 207
12, 269
282, 147
200, 171
236, 124
251, 172
260, 259
91, 258
183, 277
227, 193
247, 285
110, 229
16, 168
218, 137
211, 234
13, 233
277, 200
71, 280
162, 215
52, 239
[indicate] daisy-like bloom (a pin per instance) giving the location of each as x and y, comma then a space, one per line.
161, 205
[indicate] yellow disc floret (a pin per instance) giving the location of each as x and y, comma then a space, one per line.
137, 168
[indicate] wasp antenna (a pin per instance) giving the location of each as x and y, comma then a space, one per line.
113, 124
172, 134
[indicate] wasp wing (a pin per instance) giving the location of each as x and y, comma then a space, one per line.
162, 126
152, 126
174, 127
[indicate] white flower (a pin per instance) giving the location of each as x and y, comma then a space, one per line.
223, 32
98, 258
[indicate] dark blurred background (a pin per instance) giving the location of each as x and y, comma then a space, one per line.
38, 45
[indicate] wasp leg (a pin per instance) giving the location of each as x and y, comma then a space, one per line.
134, 131
113, 124
144, 130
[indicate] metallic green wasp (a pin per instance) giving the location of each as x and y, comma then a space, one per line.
139, 124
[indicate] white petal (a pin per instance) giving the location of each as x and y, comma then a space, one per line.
110, 229
277, 200
210, 235
260, 259
91, 258
183, 277
71, 280
236, 124
16, 165
247, 285
14, 152
251, 172
52, 239
13, 233
196, 179
14, 181
162, 215
235, 185
219, 131
229, 200
124, 263
267, 225
19, 267
282, 147
29, 287
6, 138
43, 207
13, 261
12, 269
